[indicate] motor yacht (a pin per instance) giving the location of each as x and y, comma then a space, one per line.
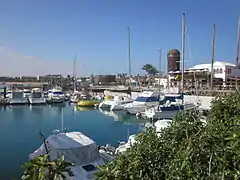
26, 93
17, 98
144, 101
169, 106
55, 95
37, 97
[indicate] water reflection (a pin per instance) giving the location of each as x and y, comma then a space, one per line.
17, 112
116, 116
3, 108
122, 117
28, 121
36, 109
57, 105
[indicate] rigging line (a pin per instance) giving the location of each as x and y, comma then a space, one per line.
191, 59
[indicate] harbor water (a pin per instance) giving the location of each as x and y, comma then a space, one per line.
20, 127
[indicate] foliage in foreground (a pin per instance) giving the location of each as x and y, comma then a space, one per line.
40, 168
189, 149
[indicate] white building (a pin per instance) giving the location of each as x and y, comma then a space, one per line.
221, 70
163, 82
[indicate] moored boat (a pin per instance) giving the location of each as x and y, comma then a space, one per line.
55, 95
88, 102
170, 105
37, 97
145, 100
17, 98
159, 126
115, 103
77, 149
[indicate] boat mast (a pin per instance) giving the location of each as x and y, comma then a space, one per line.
160, 66
74, 72
213, 55
238, 50
183, 47
129, 55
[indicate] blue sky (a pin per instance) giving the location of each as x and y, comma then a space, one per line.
40, 37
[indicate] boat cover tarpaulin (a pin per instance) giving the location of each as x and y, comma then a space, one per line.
74, 146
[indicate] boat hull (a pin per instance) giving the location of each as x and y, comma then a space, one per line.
104, 105
119, 106
73, 100
88, 103
55, 99
36, 101
136, 109
18, 101
168, 114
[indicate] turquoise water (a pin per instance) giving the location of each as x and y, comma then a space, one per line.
20, 127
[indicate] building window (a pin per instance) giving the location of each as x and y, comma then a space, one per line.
221, 70
229, 71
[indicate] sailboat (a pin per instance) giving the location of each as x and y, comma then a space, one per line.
171, 104
75, 94
76, 148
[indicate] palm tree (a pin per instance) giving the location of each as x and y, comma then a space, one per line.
36, 168
40, 168
58, 167
150, 69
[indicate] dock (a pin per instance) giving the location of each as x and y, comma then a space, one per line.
3, 102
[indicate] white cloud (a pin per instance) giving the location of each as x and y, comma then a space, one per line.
15, 64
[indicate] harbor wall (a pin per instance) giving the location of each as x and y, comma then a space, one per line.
205, 101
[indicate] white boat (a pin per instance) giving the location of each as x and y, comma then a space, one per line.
123, 146
169, 108
9, 93
26, 93
74, 98
17, 97
115, 103
55, 95
37, 97
160, 125
144, 101
76, 148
